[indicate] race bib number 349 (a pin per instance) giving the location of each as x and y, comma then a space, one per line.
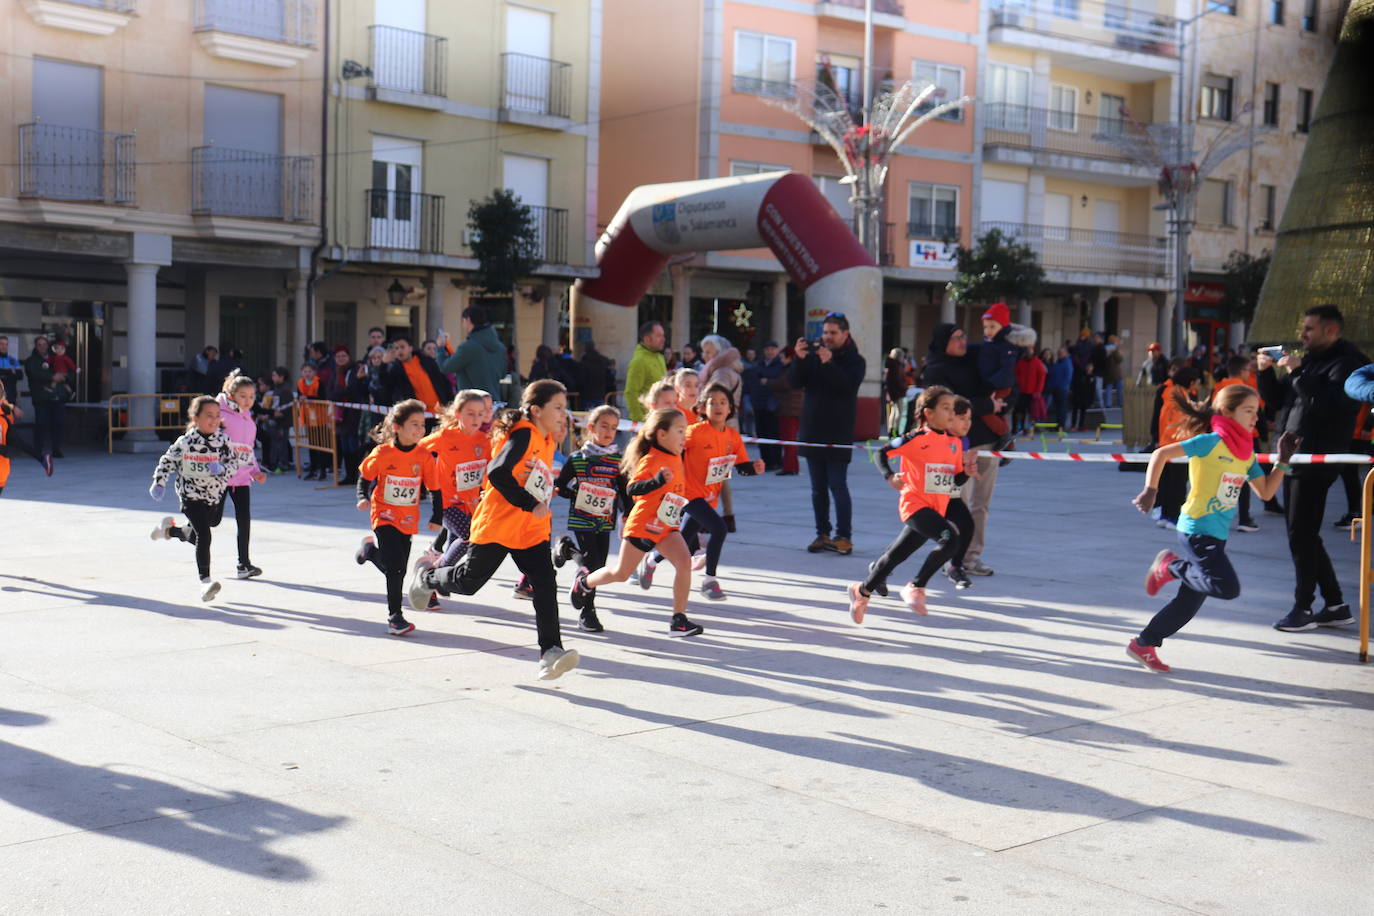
401, 491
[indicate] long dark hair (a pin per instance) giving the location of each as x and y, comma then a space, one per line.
654, 423
537, 394
1197, 418
700, 406
384, 433
929, 398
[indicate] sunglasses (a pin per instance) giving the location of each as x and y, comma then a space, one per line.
834, 314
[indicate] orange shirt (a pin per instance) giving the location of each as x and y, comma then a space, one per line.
1171, 418
709, 458
460, 461
690, 414
499, 521
930, 462
5, 421
402, 477
311, 414
420, 383
658, 512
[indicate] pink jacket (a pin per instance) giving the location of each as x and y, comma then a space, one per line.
243, 432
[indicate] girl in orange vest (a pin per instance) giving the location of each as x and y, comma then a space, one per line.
313, 415
513, 518
460, 451
657, 484
391, 481
6, 421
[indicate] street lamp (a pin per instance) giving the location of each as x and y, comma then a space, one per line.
396, 293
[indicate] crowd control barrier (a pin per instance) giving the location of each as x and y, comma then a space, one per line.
313, 424
167, 413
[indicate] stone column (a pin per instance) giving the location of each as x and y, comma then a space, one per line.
1099, 322
147, 254
436, 291
682, 307
300, 324
947, 308
1024, 316
778, 330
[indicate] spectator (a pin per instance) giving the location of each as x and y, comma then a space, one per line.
592, 373
1059, 382
480, 360
44, 390
790, 401
1170, 428
894, 391
1112, 377
376, 337
347, 384
830, 375
669, 360
277, 401
1097, 357
749, 377
722, 366
547, 364
1312, 404
200, 369
690, 358
411, 374
1030, 400
646, 367
431, 349
997, 356
319, 356
766, 405
1155, 369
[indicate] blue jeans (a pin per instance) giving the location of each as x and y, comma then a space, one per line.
1203, 571
830, 478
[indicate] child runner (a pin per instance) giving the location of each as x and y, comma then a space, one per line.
390, 480
590, 478
1221, 460
933, 468
713, 452
513, 517
6, 421
236, 414
204, 461
653, 465
460, 451
687, 384
957, 511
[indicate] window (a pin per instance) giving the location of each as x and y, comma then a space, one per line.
1008, 94
1112, 120
1271, 104
1304, 110
1216, 97
845, 76
755, 168
1268, 208
1309, 16
948, 82
1276, 12
1222, 6
1063, 108
1214, 203
763, 64
838, 194
1066, 9
934, 212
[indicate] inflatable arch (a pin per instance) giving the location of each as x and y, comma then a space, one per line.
783, 211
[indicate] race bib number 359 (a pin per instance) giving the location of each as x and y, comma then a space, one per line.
197, 466
401, 491
594, 500
1228, 491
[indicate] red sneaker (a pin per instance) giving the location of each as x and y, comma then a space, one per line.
1159, 574
1147, 656
858, 603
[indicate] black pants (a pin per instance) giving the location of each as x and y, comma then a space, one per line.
921, 526
766, 425
1304, 500
203, 516
958, 515
1204, 571
481, 563
243, 516
1173, 490
595, 547
701, 517
391, 556
47, 426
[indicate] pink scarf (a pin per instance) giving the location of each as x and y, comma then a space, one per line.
1239, 440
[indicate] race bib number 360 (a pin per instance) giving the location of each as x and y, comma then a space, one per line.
670, 510
401, 491
540, 482
1228, 491
594, 500
719, 469
940, 480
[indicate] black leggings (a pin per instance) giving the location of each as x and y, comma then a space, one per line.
391, 556
923, 525
962, 520
701, 517
243, 516
203, 516
595, 547
481, 563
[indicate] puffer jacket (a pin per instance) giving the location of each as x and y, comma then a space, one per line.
243, 432
726, 369
193, 449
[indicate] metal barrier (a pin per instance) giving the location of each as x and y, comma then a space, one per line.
168, 411
313, 424
1366, 547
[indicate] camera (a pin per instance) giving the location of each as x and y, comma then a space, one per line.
1274, 353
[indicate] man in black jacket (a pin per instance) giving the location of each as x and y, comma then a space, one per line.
409, 366
830, 375
1312, 404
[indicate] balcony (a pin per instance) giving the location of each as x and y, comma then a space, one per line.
408, 68
919, 229
93, 17
405, 221
753, 85
535, 91
76, 164
1107, 38
551, 226
275, 33
886, 13
240, 183
1062, 142
1091, 250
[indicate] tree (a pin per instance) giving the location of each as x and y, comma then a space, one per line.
996, 269
1245, 275
505, 240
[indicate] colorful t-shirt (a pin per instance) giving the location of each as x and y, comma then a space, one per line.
1215, 480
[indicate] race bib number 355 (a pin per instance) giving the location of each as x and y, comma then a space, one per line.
940, 479
401, 491
670, 510
594, 500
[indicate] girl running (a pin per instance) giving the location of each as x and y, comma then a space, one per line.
933, 468
957, 511
391, 480
653, 464
1221, 461
460, 451
590, 478
713, 452
6, 421
513, 517
687, 384
204, 461
661, 396
236, 415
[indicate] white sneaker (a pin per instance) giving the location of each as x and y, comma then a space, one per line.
699, 560
209, 588
417, 593
914, 598
557, 662
160, 533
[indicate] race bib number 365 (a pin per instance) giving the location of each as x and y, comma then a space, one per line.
540, 482
401, 491
940, 479
594, 500
670, 510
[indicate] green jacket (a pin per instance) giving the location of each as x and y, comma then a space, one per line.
40, 379
479, 362
646, 367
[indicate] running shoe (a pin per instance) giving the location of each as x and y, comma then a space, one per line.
556, 662
563, 550
646, 574
858, 603
1274, 507
1247, 525
711, 590
957, 575
820, 544
399, 626
248, 571
1334, 615
434, 604
47, 463
915, 598
368, 545
523, 590
729, 523
580, 592
1160, 575
417, 593
163, 530
843, 546
1296, 620
699, 560
209, 588
1347, 521
588, 622
1147, 656
977, 568
681, 626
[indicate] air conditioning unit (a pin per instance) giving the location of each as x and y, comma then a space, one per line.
470, 236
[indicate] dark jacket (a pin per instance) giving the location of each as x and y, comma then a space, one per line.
396, 384
960, 374
40, 379
479, 362
767, 397
831, 404
592, 374
1312, 402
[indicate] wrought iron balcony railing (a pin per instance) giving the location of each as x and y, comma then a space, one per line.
1054, 131
405, 220
756, 86
75, 163
535, 85
886, 232
1091, 250
1112, 24
923, 229
551, 224
406, 61
290, 22
891, 7
114, 6
235, 182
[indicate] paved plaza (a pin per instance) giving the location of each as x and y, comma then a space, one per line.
278, 752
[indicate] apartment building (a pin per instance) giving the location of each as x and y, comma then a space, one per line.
159, 190
432, 106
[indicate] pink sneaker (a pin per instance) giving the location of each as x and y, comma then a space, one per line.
858, 603
1159, 574
699, 561
1147, 656
915, 598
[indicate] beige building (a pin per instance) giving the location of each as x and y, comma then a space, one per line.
433, 105
160, 181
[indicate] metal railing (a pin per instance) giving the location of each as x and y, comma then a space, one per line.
75, 163
161, 413
116, 6
290, 22
1055, 131
235, 182
1091, 250
551, 224
891, 7
536, 85
406, 61
405, 220
756, 86
1111, 24
922, 229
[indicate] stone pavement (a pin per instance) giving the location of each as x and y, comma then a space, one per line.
278, 752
